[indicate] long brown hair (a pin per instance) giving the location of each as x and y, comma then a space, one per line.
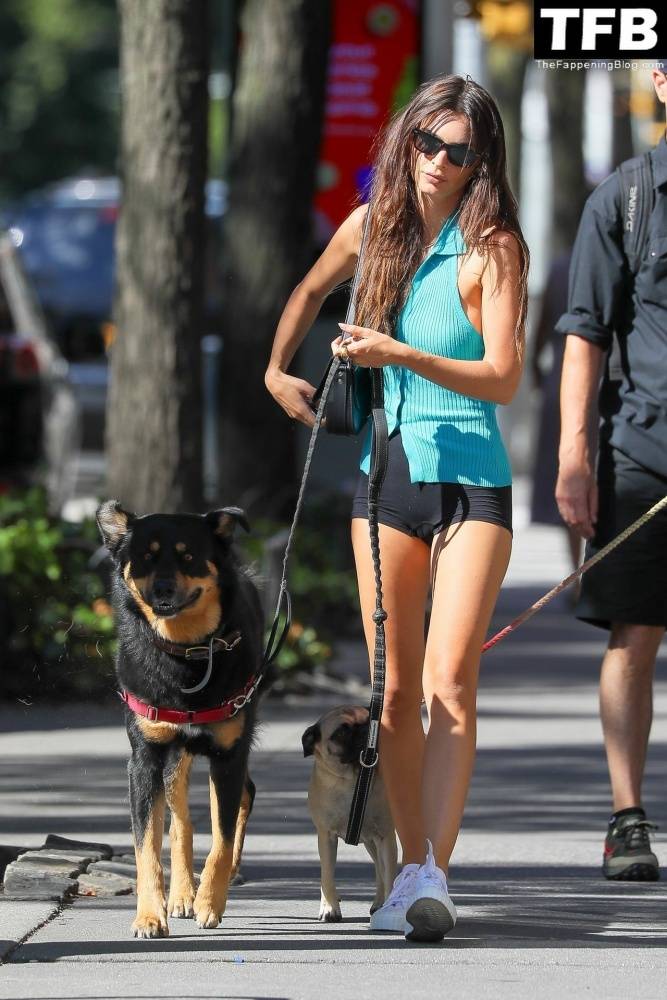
395, 241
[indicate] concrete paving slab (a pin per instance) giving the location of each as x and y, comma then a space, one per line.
18, 920
544, 975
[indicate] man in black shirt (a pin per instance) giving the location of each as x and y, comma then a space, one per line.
617, 321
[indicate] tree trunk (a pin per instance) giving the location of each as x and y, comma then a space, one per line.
507, 70
565, 99
277, 115
154, 411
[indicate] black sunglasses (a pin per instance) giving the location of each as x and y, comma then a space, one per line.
458, 153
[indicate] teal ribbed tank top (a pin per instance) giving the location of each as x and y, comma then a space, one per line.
447, 437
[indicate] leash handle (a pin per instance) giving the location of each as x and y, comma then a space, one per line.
369, 756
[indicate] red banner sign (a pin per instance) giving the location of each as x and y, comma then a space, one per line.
373, 70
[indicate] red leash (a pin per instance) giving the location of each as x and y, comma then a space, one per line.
538, 605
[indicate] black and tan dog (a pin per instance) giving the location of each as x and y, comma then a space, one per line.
190, 632
336, 741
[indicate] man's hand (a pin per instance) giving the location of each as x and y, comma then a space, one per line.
293, 394
577, 496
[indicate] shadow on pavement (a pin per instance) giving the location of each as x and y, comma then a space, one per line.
505, 908
514, 790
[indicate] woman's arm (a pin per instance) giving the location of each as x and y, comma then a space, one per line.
336, 264
496, 377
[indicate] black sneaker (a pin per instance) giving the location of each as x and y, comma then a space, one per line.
627, 850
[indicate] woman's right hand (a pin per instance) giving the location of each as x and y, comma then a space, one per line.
293, 394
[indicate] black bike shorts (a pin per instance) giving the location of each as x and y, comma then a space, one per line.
630, 584
422, 510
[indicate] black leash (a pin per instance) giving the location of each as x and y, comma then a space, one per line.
277, 636
370, 755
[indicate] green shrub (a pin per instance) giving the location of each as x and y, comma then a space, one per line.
56, 626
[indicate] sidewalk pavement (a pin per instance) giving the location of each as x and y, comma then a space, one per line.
535, 917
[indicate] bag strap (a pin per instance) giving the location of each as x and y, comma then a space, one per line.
352, 304
635, 179
637, 199
370, 755
278, 635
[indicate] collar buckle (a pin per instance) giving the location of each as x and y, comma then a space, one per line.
227, 646
195, 652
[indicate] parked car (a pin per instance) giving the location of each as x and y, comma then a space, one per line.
39, 419
65, 234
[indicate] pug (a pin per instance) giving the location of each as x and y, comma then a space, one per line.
336, 741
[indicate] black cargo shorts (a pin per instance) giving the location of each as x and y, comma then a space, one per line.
630, 584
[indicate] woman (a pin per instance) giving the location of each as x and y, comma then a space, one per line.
441, 308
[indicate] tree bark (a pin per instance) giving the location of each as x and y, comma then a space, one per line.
277, 115
154, 410
565, 100
507, 71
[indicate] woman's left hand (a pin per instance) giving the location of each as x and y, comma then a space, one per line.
367, 348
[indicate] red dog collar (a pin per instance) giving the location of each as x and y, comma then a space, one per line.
218, 714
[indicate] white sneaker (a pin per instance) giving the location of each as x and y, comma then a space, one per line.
430, 913
391, 915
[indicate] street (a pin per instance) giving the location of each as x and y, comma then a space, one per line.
536, 919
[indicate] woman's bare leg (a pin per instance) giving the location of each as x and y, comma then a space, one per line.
405, 581
469, 564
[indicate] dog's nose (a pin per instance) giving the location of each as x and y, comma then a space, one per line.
164, 589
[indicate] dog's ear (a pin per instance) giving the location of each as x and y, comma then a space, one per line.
114, 524
311, 736
224, 521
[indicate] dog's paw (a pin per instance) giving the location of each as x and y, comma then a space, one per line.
208, 911
330, 914
237, 878
150, 925
208, 918
181, 903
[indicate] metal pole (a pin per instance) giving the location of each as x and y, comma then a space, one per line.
211, 348
437, 37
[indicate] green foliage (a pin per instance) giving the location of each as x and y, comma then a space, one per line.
58, 90
303, 651
56, 627
407, 84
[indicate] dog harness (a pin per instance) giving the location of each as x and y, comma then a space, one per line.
218, 713
226, 710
